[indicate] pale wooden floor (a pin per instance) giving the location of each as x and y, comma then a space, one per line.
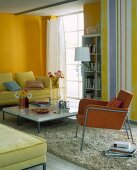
56, 163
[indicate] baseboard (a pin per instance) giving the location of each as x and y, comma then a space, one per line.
133, 122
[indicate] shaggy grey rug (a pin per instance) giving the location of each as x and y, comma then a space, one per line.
61, 141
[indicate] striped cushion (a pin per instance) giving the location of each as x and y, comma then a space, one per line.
34, 84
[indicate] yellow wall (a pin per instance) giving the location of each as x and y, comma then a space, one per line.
21, 44
134, 56
92, 14
104, 49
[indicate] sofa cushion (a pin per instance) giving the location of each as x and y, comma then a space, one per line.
21, 78
34, 84
4, 77
114, 103
12, 86
8, 97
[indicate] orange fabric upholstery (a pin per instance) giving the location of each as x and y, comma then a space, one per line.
83, 103
126, 97
102, 116
115, 103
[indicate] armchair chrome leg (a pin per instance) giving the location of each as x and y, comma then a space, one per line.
76, 131
85, 123
82, 138
126, 129
130, 130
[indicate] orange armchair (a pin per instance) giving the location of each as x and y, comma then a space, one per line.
103, 114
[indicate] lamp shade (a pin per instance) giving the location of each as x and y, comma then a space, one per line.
82, 54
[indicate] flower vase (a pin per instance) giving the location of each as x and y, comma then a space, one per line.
55, 82
22, 102
26, 102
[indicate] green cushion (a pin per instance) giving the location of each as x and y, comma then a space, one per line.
21, 78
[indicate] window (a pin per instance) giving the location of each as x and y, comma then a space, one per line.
74, 29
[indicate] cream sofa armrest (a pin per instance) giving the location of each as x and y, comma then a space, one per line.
46, 81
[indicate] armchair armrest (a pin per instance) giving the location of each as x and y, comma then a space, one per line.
105, 108
45, 80
85, 102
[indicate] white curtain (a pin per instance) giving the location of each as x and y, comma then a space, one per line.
56, 51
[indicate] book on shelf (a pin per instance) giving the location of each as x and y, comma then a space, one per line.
121, 149
89, 83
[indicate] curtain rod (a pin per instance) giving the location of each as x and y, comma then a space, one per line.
70, 14
45, 6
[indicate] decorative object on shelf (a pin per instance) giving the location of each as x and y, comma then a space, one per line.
91, 30
83, 54
23, 97
98, 27
55, 78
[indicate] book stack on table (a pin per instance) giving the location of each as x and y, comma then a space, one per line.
121, 150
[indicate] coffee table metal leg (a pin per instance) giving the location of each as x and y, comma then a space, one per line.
38, 127
49, 101
19, 120
3, 115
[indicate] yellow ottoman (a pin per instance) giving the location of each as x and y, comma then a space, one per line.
19, 150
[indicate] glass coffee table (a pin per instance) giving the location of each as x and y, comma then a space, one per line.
53, 114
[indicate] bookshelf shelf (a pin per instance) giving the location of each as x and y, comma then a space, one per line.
92, 78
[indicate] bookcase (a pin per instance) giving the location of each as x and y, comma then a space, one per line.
91, 75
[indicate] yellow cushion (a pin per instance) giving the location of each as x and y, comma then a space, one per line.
5, 77
21, 78
7, 97
25, 164
25, 147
